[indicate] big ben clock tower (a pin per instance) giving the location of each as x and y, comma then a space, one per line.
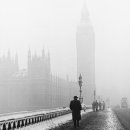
85, 44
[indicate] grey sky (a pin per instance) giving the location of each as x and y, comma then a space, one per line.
52, 24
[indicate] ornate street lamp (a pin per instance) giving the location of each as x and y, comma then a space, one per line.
94, 95
80, 85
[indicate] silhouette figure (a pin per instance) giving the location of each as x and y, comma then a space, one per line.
100, 105
103, 105
96, 105
75, 107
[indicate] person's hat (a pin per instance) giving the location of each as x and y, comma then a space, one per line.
75, 97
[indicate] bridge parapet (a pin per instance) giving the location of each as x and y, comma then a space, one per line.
23, 119
19, 120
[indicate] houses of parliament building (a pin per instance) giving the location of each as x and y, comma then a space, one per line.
33, 88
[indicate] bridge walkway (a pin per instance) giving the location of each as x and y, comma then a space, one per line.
101, 120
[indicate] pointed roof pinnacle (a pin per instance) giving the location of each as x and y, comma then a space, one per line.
43, 52
29, 52
85, 13
16, 58
9, 55
85, 3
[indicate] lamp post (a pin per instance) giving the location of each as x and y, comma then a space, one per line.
94, 95
80, 85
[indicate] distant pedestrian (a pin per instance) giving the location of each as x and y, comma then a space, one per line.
93, 106
100, 105
103, 105
96, 105
75, 106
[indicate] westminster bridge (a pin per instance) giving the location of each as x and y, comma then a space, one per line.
25, 119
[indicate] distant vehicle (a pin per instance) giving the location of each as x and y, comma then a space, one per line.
124, 102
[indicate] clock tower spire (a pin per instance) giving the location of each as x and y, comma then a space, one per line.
85, 43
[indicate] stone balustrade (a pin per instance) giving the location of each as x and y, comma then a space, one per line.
22, 120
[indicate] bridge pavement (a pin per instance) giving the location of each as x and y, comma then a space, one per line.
101, 120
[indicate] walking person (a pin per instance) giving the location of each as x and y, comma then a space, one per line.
93, 106
103, 105
96, 105
75, 107
100, 105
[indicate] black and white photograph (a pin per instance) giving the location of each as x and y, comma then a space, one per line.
65, 64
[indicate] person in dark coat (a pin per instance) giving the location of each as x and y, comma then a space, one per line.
93, 106
96, 105
103, 105
75, 107
100, 105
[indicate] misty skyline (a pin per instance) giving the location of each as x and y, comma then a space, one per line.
52, 25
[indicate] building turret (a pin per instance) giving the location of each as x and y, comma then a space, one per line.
43, 53
9, 56
49, 63
49, 58
29, 56
29, 62
16, 62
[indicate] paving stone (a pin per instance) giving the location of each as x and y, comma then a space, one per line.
102, 120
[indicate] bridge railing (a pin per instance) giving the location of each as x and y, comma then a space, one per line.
19, 120
22, 120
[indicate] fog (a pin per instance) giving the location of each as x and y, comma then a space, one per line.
52, 24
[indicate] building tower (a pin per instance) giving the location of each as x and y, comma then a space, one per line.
29, 63
16, 62
85, 44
